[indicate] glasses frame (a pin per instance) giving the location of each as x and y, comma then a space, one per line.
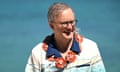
72, 22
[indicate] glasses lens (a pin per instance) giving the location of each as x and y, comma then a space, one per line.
69, 22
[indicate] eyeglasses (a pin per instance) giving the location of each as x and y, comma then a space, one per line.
72, 22
66, 23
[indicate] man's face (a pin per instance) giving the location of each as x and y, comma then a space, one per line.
64, 25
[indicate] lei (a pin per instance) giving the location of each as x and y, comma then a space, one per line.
52, 54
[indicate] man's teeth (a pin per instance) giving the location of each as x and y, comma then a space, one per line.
67, 33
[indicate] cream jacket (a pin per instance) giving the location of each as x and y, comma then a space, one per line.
89, 60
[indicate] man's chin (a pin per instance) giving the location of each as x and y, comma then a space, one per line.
68, 36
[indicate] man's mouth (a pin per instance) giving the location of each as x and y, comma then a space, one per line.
67, 33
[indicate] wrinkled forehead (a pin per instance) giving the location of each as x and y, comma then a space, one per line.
64, 15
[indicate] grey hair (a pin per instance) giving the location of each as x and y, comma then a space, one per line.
55, 10
77, 30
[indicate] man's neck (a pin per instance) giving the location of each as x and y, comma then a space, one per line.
63, 45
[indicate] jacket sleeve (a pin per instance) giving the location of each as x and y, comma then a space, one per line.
97, 64
33, 64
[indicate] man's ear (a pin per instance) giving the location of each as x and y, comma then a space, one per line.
51, 25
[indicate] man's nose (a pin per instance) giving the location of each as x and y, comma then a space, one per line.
69, 26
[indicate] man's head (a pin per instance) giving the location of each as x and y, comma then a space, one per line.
62, 20
55, 10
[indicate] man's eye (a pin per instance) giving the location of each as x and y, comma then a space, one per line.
70, 22
67, 22
64, 22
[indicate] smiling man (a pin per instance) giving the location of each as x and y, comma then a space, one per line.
64, 50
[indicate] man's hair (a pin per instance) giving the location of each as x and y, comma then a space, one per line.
56, 9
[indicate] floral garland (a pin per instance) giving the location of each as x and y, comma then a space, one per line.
60, 62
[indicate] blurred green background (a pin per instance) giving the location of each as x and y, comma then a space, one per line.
23, 24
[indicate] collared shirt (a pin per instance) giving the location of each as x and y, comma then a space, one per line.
88, 60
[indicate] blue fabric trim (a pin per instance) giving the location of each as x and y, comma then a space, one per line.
83, 65
52, 50
75, 47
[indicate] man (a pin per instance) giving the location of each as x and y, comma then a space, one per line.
65, 50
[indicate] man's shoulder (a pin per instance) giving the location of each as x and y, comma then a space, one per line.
89, 44
89, 41
90, 47
83, 40
37, 48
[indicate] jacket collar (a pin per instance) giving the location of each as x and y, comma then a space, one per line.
53, 51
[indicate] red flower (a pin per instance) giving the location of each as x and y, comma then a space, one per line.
51, 58
71, 57
78, 38
45, 46
60, 62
